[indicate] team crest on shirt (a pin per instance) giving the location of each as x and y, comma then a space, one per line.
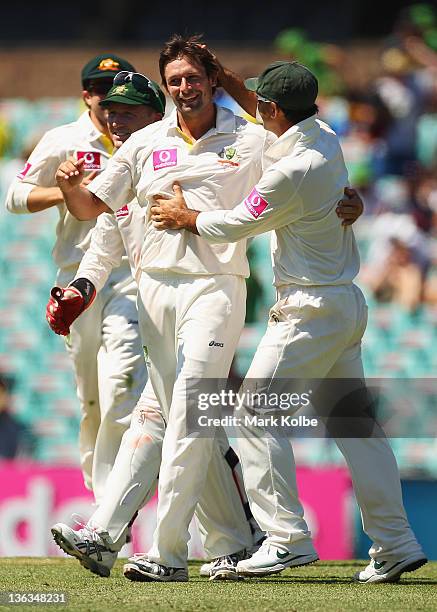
122, 212
255, 204
92, 160
164, 158
24, 171
229, 155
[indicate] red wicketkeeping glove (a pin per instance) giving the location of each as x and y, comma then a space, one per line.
63, 307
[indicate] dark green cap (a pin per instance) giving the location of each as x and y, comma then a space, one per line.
137, 91
289, 84
104, 66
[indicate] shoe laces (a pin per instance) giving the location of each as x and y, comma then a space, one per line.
139, 557
92, 540
230, 559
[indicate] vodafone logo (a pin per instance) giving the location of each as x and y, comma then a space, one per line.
255, 204
92, 160
24, 171
165, 158
122, 212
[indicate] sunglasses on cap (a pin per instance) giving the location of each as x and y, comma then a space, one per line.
261, 99
140, 82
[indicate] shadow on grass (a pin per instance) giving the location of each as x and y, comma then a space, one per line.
328, 580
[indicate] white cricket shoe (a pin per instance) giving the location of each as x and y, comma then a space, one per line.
225, 568
140, 569
87, 545
270, 559
390, 570
205, 569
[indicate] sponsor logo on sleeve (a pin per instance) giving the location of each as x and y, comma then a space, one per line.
164, 158
24, 171
255, 204
122, 212
92, 160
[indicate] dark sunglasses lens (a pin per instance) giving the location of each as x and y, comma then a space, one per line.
120, 78
141, 83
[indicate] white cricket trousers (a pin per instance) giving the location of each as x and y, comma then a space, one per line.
106, 351
191, 325
314, 333
133, 481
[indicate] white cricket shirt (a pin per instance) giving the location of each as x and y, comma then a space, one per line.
214, 172
297, 195
79, 139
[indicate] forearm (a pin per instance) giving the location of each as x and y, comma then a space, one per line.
234, 85
83, 204
98, 263
41, 198
188, 220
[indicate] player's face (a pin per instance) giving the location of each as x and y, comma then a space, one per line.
95, 92
189, 86
125, 119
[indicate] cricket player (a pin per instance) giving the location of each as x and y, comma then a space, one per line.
192, 295
315, 328
132, 103
104, 344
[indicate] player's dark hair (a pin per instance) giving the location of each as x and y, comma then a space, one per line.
295, 116
190, 47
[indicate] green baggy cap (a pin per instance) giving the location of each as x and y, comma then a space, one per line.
290, 84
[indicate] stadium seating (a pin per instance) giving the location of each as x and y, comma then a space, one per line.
396, 345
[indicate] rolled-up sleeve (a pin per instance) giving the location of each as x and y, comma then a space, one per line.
114, 185
39, 171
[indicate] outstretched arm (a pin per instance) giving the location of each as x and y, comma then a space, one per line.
173, 213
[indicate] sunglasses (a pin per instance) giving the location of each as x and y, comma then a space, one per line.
141, 84
261, 99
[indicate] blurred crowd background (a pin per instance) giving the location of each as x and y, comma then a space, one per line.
378, 82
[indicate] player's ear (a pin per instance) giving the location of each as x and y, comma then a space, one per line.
86, 97
275, 110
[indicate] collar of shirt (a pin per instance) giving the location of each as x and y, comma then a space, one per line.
225, 124
305, 131
90, 131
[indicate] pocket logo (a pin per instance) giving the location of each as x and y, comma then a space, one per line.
92, 160
165, 158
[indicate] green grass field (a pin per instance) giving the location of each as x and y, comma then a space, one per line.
325, 586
